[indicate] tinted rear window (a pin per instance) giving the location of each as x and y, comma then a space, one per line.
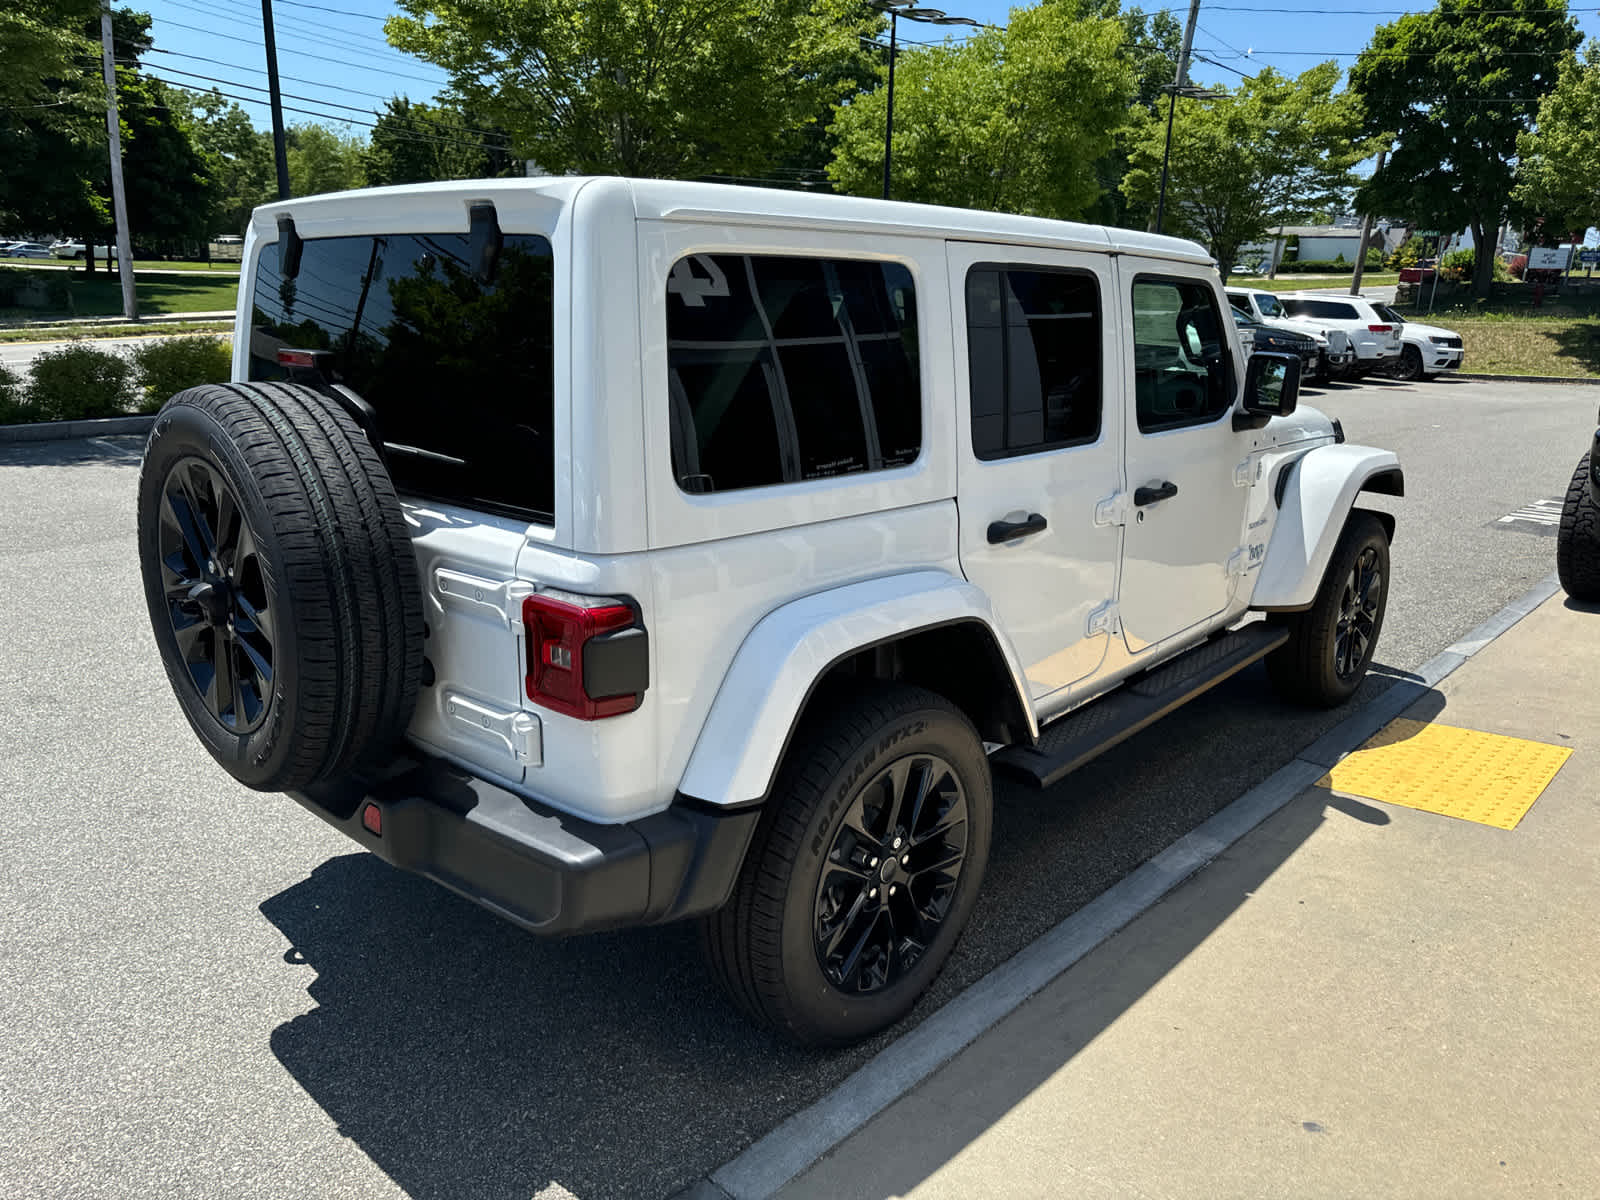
459, 372
1330, 310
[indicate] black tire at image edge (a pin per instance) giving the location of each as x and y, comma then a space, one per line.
337, 577
1578, 537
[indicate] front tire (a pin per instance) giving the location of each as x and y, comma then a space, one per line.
1409, 368
1330, 645
1578, 538
864, 870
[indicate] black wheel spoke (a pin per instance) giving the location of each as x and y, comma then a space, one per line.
947, 862
851, 966
220, 694
263, 668
182, 517
256, 620
845, 924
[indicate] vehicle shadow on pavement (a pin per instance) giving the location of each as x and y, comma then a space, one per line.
470, 1059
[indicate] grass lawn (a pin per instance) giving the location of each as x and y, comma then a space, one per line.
101, 295
215, 267
1559, 347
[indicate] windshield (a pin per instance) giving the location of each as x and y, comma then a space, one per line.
459, 371
1268, 304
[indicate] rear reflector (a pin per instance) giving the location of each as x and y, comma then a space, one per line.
587, 658
372, 818
297, 358
1379, 328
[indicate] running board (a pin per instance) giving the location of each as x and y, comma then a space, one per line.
1101, 724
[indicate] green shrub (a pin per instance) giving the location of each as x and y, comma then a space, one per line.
14, 406
78, 382
1407, 254
1374, 259
1317, 265
165, 366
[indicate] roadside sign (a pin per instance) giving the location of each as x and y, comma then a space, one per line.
1589, 258
1548, 258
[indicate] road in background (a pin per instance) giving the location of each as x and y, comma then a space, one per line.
19, 356
208, 992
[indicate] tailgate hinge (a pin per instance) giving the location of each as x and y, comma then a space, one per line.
1236, 562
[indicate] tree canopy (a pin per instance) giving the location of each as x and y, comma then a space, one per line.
670, 88
417, 143
1558, 177
1275, 151
1012, 119
42, 43
1454, 88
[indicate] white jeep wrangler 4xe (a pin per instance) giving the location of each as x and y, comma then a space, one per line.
614, 552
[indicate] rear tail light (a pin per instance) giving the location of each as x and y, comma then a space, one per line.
587, 657
1379, 328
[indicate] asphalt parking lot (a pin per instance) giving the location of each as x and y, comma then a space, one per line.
206, 993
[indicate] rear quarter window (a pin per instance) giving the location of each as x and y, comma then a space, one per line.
1330, 310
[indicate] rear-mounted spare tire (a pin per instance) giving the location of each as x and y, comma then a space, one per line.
281, 583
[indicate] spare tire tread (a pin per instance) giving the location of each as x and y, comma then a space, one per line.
344, 575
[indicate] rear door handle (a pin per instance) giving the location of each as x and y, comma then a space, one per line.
1149, 495
1009, 531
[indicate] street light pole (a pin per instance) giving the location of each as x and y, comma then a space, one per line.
909, 10
1180, 81
888, 121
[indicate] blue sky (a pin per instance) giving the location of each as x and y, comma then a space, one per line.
335, 64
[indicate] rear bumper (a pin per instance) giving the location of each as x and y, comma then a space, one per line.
542, 869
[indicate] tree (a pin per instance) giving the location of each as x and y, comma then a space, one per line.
171, 194
637, 87
1012, 120
418, 143
1454, 88
237, 156
1276, 150
42, 43
1558, 177
322, 160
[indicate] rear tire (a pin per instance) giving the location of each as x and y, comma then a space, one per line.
281, 583
1330, 644
843, 915
1578, 538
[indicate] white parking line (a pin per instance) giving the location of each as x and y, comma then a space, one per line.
1540, 512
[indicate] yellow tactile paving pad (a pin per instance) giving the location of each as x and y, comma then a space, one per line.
1483, 777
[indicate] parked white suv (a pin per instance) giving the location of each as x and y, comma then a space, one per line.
1375, 340
1337, 357
616, 551
1426, 350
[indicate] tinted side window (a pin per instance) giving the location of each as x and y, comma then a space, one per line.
459, 371
789, 369
1033, 346
1330, 310
1183, 373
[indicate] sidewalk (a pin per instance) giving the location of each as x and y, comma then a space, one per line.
1356, 999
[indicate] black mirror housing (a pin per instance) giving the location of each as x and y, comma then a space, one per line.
1271, 389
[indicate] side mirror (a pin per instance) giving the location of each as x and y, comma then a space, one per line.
1271, 389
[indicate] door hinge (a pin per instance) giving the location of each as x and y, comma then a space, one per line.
1247, 472
1113, 510
1236, 562
1104, 619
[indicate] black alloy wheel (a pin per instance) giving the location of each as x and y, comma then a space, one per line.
889, 878
1359, 608
1409, 368
217, 597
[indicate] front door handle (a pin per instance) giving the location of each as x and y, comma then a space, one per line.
1009, 531
1149, 495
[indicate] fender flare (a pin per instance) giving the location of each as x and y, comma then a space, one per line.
1320, 489
790, 650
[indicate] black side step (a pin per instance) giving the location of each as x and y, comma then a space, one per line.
1095, 728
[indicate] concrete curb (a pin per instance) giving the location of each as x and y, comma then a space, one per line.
57, 431
99, 322
1528, 379
763, 1168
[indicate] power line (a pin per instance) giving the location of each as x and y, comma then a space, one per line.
288, 25
304, 54
217, 62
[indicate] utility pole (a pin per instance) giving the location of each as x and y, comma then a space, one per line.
119, 198
279, 150
1179, 82
1366, 232
888, 123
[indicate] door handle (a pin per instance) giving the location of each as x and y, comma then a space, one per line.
1008, 531
1149, 495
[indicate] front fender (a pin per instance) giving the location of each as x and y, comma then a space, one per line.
1322, 486
793, 647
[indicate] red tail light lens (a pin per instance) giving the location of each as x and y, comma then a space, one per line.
1379, 328
587, 658
297, 358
